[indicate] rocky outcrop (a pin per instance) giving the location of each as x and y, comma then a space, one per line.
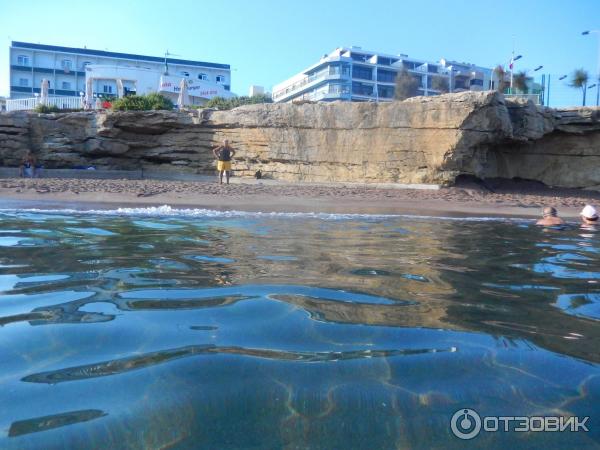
420, 140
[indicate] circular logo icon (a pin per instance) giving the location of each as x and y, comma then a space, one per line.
465, 424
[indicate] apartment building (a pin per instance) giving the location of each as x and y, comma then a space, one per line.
354, 74
65, 68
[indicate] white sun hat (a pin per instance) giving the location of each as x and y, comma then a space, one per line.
589, 212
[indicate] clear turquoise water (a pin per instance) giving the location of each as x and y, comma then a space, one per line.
166, 329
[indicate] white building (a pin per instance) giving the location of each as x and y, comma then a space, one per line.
256, 90
65, 68
140, 80
359, 75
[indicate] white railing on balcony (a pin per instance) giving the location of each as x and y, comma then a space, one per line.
27, 104
319, 76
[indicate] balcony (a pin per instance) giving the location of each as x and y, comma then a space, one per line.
46, 70
311, 81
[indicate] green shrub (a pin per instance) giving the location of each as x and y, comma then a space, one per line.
229, 103
46, 109
142, 103
158, 101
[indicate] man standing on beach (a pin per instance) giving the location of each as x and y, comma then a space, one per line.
224, 153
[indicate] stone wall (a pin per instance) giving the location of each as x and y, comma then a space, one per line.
420, 140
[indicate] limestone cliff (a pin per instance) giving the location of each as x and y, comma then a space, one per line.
420, 140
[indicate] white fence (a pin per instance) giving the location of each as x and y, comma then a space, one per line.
25, 104
535, 98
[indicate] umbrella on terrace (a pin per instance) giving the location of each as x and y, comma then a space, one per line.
89, 92
45, 87
184, 98
120, 89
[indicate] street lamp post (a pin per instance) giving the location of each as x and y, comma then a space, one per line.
512, 64
597, 32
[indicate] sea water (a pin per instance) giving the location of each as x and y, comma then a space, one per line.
161, 328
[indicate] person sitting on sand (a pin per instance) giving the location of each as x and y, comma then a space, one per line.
589, 215
224, 153
550, 217
27, 167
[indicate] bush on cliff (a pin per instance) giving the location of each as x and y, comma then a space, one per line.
142, 103
46, 109
406, 85
229, 103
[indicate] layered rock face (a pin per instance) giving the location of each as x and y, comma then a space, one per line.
420, 140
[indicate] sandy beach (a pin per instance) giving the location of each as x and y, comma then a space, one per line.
469, 198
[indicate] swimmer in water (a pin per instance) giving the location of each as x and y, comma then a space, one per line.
550, 218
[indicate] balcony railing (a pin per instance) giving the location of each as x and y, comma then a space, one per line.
320, 76
28, 104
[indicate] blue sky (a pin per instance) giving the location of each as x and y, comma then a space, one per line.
267, 41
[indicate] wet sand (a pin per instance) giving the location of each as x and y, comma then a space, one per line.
466, 199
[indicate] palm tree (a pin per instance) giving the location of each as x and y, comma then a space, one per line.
520, 81
500, 74
579, 80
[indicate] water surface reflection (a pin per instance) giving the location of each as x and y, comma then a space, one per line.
275, 332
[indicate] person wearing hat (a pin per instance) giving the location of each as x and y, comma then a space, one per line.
550, 217
589, 215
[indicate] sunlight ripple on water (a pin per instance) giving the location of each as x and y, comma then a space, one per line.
163, 328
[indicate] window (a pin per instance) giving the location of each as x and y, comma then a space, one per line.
86, 63
385, 91
185, 74
360, 57
66, 64
386, 76
220, 79
362, 72
107, 89
362, 89
23, 60
66, 85
23, 82
202, 76
476, 82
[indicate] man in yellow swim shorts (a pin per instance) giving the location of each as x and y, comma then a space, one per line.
224, 153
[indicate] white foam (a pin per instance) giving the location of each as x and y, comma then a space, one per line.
168, 211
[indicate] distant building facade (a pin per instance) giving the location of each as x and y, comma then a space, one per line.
353, 74
256, 90
65, 68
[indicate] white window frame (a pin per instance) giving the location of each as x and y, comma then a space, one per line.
66, 64
203, 76
220, 79
107, 89
22, 60
66, 85
85, 63
184, 73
